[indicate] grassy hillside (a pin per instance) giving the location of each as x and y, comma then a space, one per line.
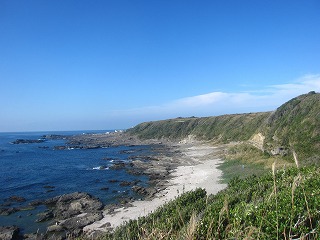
294, 125
278, 205
225, 128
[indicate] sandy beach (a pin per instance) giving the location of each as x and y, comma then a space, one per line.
198, 169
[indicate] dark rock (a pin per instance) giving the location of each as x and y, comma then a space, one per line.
76, 232
51, 201
139, 189
82, 220
16, 199
72, 204
97, 234
34, 236
125, 201
26, 141
135, 182
8, 211
126, 151
117, 166
9, 233
106, 225
43, 147
45, 216
53, 137
26, 208
113, 181
59, 147
6, 204
48, 187
135, 171
143, 158
36, 203
55, 228
70, 213
125, 183
151, 192
104, 188
55, 236
91, 147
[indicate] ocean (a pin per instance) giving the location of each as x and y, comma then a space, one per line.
36, 171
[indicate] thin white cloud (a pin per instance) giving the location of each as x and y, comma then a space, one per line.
217, 103
273, 95
201, 100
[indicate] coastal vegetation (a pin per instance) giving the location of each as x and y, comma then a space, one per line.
273, 197
221, 129
294, 125
270, 194
282, 204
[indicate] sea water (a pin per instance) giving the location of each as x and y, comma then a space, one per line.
37, 171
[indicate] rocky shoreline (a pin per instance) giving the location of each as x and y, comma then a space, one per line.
197, 164
68, 214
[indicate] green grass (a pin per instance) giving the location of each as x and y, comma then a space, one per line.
225, 128
282, 204
169, 221
242, 160
266, 207
294, 125
267, 196
237, 168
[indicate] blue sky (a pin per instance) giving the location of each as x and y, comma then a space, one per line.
75, 64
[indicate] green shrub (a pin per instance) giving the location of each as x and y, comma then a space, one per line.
282, 205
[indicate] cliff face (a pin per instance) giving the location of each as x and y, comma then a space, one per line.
294, 125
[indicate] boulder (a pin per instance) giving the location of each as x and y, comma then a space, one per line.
55, 228
34, 236
82, 220
9, 233
45, 216
70, 213
72, 204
